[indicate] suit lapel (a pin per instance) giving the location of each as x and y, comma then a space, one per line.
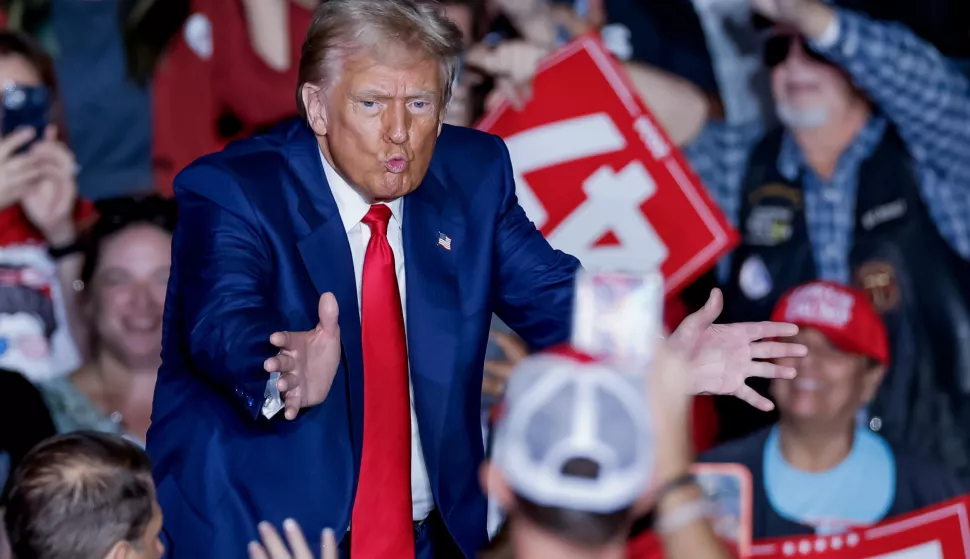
326, 255
433, 303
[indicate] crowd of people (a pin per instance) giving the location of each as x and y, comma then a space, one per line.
835, 136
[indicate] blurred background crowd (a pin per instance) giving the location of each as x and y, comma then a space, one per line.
140, 88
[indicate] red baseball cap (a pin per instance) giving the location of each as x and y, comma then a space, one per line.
843, 314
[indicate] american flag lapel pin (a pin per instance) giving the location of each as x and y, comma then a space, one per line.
444, 241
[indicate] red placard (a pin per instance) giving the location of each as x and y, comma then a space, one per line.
601, 179
938, 532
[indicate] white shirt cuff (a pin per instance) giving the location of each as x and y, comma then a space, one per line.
831, 34
273, 403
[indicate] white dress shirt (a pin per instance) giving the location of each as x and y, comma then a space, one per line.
352, 208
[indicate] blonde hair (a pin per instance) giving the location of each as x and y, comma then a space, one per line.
341, 28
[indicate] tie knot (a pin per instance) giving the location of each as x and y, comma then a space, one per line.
377, 218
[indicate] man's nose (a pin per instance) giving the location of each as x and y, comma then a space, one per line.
397, 120
796, 53
141, 297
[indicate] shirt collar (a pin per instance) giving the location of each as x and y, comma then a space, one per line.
350, 204
791, 162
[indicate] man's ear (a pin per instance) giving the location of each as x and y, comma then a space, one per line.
316, 109
119, 550
493, 485
871, 380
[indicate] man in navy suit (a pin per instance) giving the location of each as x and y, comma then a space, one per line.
329, 304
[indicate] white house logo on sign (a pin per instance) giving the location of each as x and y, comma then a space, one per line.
613, 198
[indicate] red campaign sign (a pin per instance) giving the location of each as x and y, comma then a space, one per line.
937, 532
601, 179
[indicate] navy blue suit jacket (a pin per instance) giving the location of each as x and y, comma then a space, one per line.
258, 240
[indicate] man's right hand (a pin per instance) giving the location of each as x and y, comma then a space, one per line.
307, 361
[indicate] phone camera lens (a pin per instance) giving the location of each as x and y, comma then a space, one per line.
14, 98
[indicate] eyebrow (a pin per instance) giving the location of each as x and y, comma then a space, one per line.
377, 94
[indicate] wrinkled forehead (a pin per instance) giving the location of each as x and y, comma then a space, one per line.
394, 69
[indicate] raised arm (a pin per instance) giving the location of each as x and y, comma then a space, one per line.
910, 82
680, 106
223, 269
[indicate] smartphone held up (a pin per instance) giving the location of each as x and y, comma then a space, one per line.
618, 317
25, 107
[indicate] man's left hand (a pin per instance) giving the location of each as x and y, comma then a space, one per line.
722, 356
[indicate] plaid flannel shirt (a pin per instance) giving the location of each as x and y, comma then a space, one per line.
912, 87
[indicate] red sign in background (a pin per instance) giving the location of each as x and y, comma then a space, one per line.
591, 162
938, 532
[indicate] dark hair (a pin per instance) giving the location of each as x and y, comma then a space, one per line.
117, 214
78, 495
16, 43
500, 546
25, 418
582, 528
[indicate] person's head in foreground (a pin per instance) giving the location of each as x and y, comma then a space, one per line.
572, 457
374, 80
848, 351
84, 495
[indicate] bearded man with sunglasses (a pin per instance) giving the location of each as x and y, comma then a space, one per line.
867, 182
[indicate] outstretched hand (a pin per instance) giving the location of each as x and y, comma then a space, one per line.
272, 547
307, 361
723, 356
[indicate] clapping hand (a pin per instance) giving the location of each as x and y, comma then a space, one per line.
723, 356
272, 547
307, 361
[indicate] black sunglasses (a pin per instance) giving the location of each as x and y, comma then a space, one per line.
777, 48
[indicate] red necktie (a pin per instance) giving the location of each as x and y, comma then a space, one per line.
381, 526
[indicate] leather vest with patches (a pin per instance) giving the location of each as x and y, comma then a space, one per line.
919, 284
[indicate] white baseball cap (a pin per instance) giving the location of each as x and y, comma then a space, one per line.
561, 406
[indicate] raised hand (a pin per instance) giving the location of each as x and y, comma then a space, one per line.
49, 204
516, 60
307, 361
779, 10
810, 17
272, 547
18, 171
497, 371
722, 356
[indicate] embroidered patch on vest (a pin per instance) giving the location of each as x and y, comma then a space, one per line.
754, 279
769, 225
776, 190
884, 213
878, 279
